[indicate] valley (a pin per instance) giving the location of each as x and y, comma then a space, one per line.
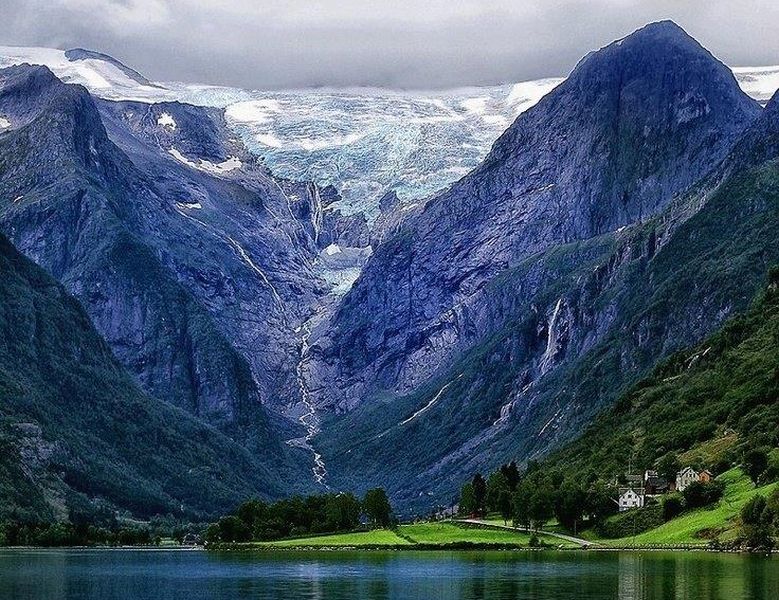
345, 289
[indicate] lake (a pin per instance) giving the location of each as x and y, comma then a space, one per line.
195, 575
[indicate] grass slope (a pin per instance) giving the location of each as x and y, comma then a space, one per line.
375, 538
699, 526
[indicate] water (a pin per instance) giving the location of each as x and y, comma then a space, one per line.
173, 575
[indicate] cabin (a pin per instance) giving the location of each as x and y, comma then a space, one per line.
630, 498
685, 477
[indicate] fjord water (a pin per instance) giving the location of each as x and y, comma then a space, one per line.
195, 575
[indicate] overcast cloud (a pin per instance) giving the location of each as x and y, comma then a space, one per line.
401, 43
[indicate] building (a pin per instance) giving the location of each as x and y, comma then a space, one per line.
656, 486
705, 476
630, 498
685, 477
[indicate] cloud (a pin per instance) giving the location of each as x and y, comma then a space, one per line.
401, 43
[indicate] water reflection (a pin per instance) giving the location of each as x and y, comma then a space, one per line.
120, 575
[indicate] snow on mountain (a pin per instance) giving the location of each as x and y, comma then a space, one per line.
363, 141
758, 82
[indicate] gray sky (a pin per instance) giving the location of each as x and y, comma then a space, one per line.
398, 43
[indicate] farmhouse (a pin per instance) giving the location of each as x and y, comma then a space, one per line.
630, 498
685, 477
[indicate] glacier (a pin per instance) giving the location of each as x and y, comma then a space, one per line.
363, 141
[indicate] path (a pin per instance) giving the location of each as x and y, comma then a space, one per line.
562, 536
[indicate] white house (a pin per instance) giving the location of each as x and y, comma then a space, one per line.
685, 477
630, 498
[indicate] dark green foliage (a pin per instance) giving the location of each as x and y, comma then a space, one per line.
758, 523
755, 462
467, 500
668, 466
511, 473
298, 516
377, 507
728, 382
570, 504
699, 494
496, 484
479, 492
673, 505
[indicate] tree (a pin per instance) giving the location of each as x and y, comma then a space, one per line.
505, 505
699, 494
757, 523
755, 461
673, 506
343, 511
668, 466
252, 513
600, 501
521, 514
479, 492
467, 499
569, 505
232, 529
541, 505
496, 483
377, 507
511, 473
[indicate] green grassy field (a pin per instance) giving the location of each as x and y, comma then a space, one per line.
448, 533
375, 538
419, 534
699, 526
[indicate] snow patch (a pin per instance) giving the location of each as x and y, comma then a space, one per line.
221, 168
4, 123
270, 140
253, 111
195, 205
333, 249
167, 121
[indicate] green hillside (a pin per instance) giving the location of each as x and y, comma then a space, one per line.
702, 403
78, 437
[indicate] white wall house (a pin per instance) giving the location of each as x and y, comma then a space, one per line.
685, 477
630, 498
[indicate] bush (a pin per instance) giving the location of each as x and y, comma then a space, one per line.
698, 494
673, 505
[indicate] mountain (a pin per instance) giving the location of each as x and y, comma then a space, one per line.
598, 236
364, 141
194, 263
403, 341
78, 436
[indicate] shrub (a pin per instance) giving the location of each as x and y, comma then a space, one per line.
673, 505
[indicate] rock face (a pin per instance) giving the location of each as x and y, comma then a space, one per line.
634, 124
191, 260
493, 298
78, 436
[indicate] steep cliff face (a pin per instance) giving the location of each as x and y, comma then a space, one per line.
191, 260
634, 124
77, 434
